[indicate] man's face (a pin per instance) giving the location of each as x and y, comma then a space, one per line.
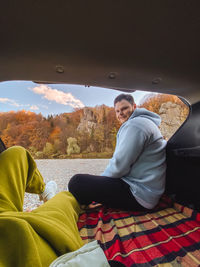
123, 110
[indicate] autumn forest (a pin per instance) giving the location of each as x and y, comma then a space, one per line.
84, 133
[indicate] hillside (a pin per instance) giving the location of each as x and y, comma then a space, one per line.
86, 132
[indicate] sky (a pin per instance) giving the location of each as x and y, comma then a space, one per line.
54, 99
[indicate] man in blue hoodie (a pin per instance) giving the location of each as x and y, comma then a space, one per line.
135, 176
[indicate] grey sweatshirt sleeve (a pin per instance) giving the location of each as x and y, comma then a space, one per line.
130, 144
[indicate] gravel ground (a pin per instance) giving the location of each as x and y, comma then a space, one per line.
61, 170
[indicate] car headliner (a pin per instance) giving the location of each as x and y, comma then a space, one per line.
126, 44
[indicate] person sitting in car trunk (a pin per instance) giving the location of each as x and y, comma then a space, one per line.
135, 176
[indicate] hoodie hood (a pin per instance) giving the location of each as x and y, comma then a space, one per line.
142, 112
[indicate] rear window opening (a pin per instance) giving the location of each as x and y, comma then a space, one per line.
73, 121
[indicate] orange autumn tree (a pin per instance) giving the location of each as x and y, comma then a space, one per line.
154, 102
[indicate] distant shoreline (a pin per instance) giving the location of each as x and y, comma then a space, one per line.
103, 155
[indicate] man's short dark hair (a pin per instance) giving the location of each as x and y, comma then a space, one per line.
126, 97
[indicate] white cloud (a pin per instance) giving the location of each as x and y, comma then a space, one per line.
34, 107
43, 106
9, 102
58, 96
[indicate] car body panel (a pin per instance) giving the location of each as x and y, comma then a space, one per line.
183, 158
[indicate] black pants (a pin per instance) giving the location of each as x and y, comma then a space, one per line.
111, 192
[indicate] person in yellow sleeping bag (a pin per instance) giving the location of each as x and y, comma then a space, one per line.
33, 238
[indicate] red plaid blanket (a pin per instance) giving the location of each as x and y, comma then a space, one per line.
166, 235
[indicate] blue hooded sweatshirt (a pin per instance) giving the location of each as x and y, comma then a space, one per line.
140, 158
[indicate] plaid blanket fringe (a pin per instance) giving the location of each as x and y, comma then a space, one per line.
170, 235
